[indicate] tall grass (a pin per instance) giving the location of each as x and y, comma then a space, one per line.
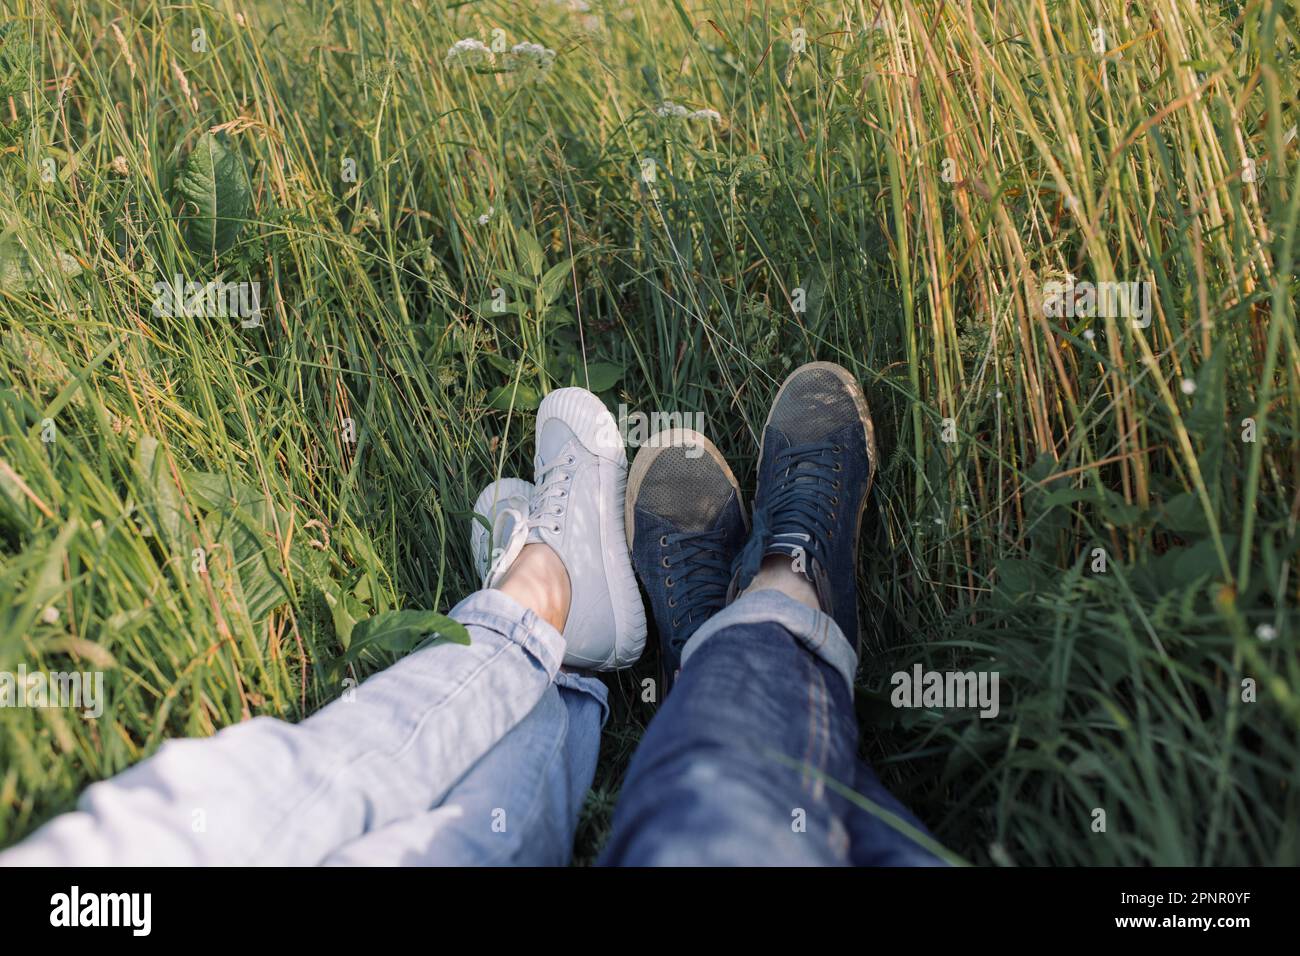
891, 189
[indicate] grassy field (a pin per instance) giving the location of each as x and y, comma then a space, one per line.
216, 511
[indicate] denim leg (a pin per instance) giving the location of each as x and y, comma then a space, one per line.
270, 792
518, 805
724, 775
873, 842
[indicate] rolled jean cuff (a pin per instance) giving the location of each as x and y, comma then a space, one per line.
498, 612
814, 630
585, 683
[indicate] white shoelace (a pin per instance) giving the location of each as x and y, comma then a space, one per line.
511, 529
551, 493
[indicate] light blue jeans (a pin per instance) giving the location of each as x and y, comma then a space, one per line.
483, 754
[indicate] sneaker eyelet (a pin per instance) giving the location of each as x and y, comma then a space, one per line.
835, 499
555, 528
672, 603
674, 622
668, 581
665, 563
835, 484
663, 541
837, 449
838, 467
572, 460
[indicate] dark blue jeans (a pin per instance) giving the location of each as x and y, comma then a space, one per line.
733, 769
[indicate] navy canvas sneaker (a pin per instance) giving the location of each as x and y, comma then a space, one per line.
816, 462
685, 525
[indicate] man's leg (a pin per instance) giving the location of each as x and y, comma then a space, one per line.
519, 805
733, 769
270, 792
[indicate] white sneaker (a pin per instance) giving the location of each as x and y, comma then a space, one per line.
504, 504
577, 509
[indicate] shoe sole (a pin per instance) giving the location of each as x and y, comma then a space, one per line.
868, 428
594, 426
651, 450
500, 490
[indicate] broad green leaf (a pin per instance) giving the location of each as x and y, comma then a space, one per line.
214, 184
560, 365
553, 282
514, 278
18, 270
165, 509
530, 253
602, 375
1018, 578
1117, 511
504, 397
210, 491
257, 579
557, 317
488, 309
1063, 497
1184, 514
242, 519
499, 362
399, 632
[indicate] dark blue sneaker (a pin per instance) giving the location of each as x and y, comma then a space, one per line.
815, 466
685, 525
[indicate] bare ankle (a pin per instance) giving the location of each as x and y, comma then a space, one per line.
539, 581
777, 574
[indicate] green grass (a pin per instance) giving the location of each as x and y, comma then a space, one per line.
825, 173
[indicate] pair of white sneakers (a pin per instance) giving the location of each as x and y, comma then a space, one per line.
574, 504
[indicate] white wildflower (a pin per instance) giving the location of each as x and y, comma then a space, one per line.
530, 58
50, 615
487, 216
1266, 633
669, 108
1089, 334
1188, 386
469, 53
676, 111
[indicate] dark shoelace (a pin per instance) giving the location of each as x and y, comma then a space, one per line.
802, 506
701, 590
